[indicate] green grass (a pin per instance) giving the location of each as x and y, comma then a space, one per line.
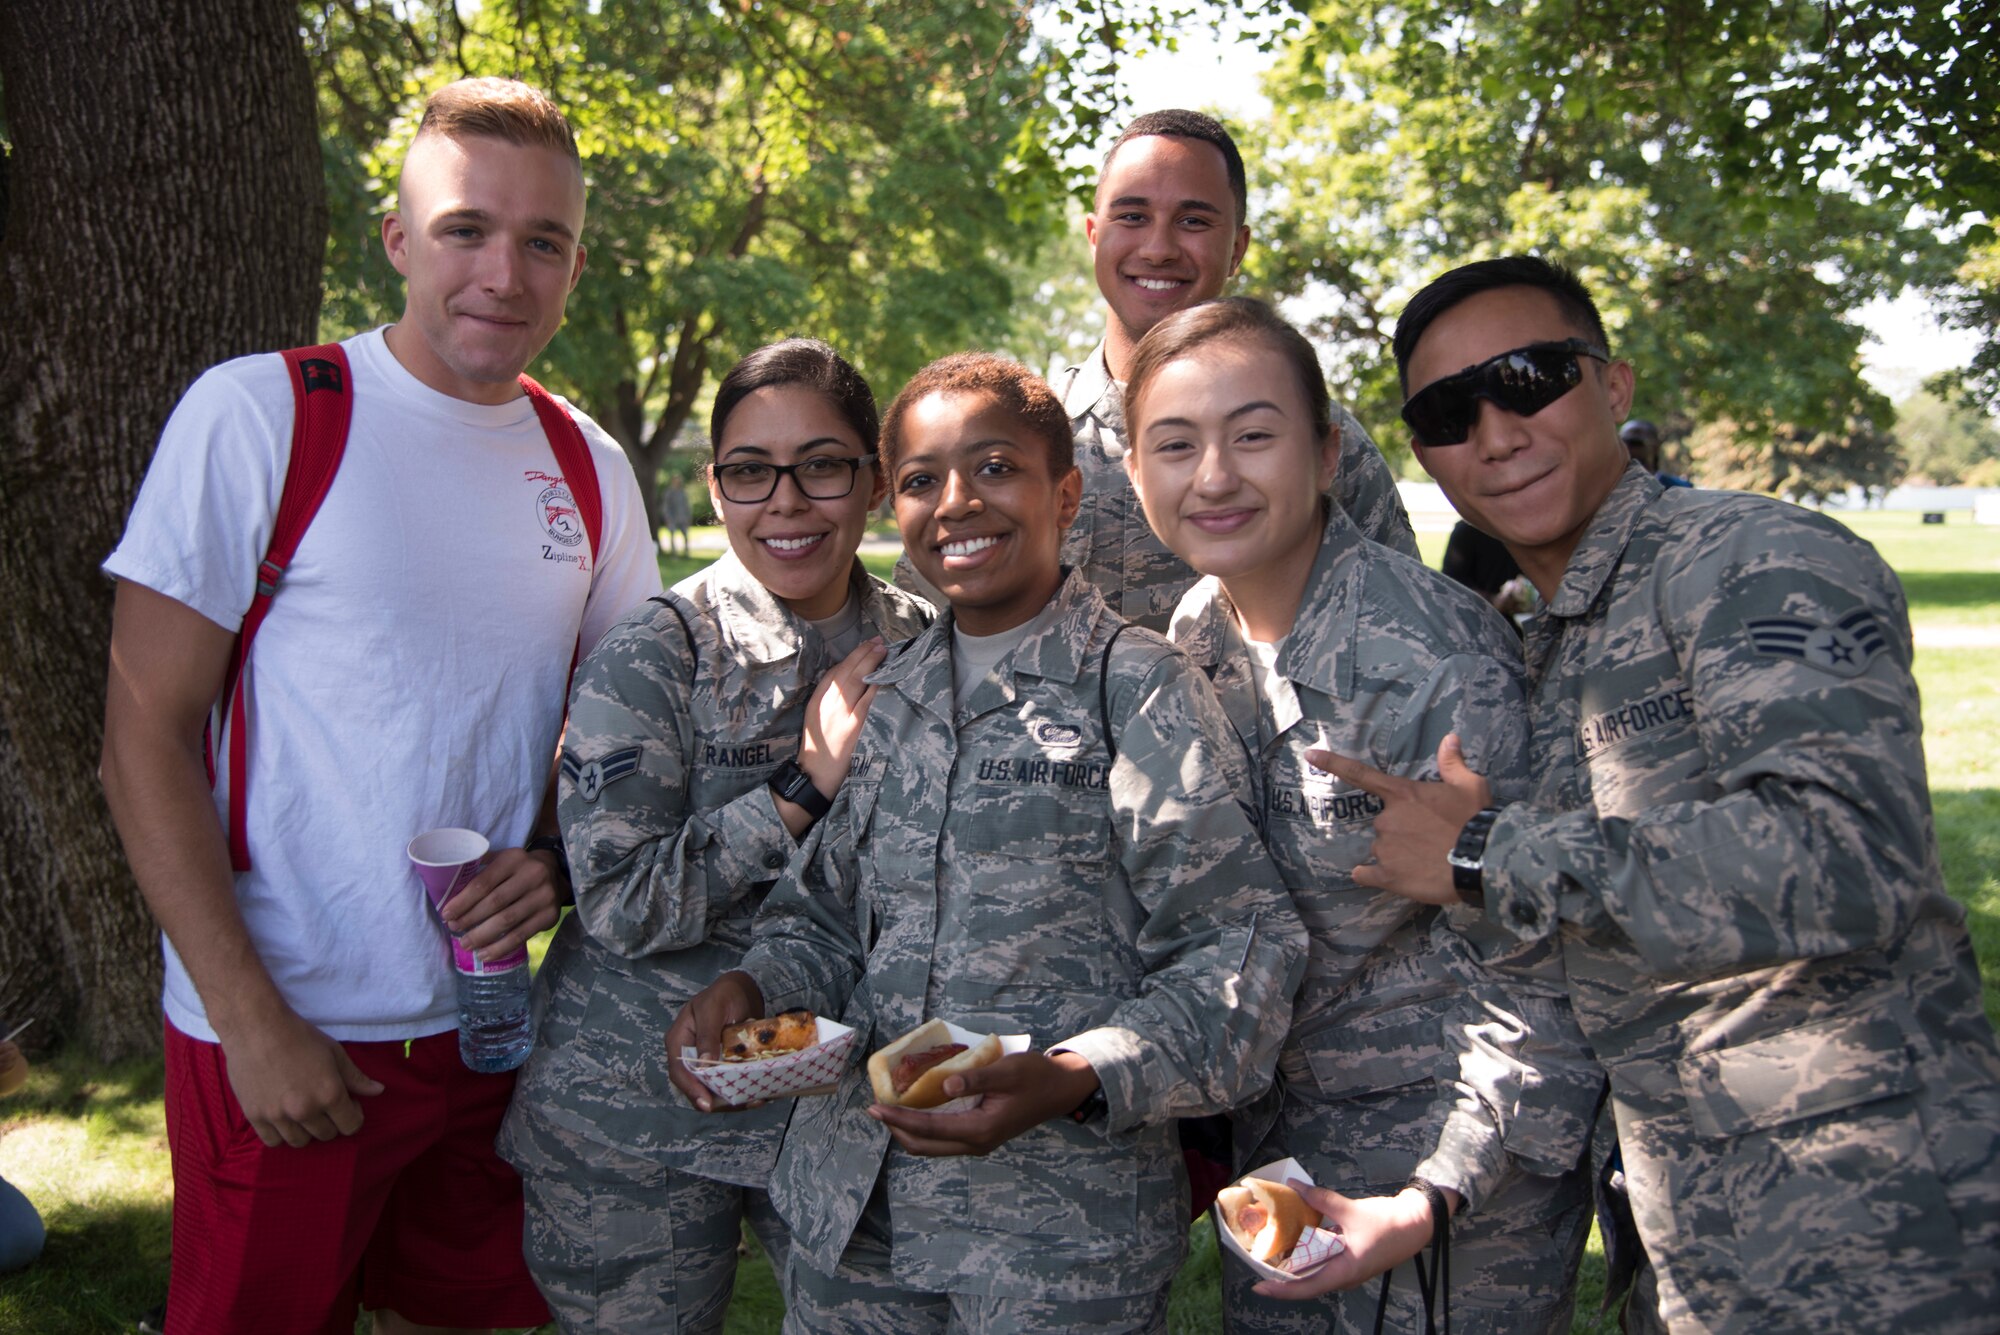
88, 1144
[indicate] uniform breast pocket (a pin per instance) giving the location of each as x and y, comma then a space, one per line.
1034, 869
1813, 1141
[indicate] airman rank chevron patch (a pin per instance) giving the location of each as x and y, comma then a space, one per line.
1842, 647
593, 778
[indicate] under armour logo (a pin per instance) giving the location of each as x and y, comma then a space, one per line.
319, 373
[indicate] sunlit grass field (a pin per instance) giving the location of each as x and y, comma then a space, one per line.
88, 1144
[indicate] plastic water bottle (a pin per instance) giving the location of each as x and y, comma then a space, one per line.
493, 1030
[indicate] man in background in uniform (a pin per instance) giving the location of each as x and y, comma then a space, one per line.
1642, 442
1168, 231
329, 1145
1730, 833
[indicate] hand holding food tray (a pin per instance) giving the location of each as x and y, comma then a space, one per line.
910, 1072
1270, 1228
767, 1062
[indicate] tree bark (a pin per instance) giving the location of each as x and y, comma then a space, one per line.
164, 212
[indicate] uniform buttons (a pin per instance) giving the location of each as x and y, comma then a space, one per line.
1526, 914
774, 861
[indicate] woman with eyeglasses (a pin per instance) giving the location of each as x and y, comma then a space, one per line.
1039, 834
1404, 1087
704, 734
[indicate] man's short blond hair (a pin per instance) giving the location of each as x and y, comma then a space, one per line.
498, 109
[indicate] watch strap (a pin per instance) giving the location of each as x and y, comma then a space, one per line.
550, 843
1468, 857
791, 783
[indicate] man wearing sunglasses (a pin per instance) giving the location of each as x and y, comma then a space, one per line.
1731, 836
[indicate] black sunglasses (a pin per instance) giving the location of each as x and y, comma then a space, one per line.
822, 477
1523, 381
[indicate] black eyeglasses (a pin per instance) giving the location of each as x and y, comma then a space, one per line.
1523, 381
824, 477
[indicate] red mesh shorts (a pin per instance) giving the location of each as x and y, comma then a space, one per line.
414, 1212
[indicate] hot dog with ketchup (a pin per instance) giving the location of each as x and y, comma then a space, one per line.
910, 1072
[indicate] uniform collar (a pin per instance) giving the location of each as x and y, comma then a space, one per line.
1319, 651
1089, 391
1056, 654
757, 623
1603, 542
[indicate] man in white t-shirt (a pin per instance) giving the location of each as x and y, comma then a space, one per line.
330, 1148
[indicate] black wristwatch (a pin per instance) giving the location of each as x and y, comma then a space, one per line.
1094, 1108
551, 843
790, 782
1468, 857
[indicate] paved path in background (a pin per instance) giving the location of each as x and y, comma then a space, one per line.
1956, 637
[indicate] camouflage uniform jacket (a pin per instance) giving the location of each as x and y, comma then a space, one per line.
1730, 830
1004, 868
676, 722
1385, 659
1111, 542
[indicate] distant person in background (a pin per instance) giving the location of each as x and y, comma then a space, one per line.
1642, 442
21, 1232
1485, 566
676, 515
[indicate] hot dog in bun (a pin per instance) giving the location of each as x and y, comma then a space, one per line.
1267, 1218
910, 1072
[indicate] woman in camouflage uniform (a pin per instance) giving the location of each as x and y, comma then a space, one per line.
1038, 834
1405, 1062
685, 724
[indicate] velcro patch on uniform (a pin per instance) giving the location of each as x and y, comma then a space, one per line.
1050, 733
592, 778
1843, 648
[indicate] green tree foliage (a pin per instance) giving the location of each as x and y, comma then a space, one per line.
1411, 136
1797, 462
856, 170
1947, 441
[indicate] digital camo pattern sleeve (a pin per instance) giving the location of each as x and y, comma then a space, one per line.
1527, 1082
1221, 943
651, 873
1803, 826
1365, 487
805, 951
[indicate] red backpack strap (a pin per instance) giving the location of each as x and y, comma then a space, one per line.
322, 405
573, 460
579, 471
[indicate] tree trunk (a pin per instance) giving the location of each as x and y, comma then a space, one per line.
164, 211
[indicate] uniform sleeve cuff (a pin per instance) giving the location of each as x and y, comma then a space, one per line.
784, 988
1470, 1165
751, 844
1522, 885
1118, 1056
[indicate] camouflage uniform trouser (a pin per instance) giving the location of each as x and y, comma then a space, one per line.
621, 1245
1513, 1263
863, 1298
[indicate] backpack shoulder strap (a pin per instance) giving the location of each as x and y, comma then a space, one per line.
573, 459
1104, 689
322, 407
